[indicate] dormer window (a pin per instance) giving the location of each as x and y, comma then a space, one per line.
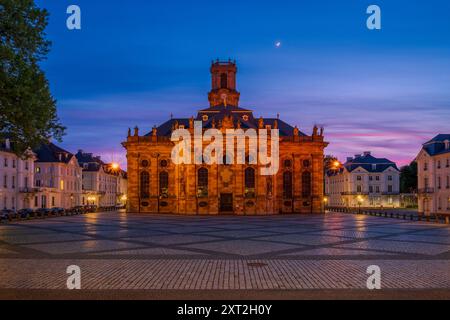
374, 167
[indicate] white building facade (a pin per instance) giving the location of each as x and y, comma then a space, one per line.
17, 178
104, 185
364, 181
433, 165
58, 178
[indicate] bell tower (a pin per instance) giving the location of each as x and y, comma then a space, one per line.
223, 84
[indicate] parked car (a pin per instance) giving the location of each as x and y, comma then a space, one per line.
26, 213
78, 210
8, 214
91, 208
57, 211
42, 212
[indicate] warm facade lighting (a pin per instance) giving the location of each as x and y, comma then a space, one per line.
115, 166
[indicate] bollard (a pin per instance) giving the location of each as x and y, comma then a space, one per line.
392, 215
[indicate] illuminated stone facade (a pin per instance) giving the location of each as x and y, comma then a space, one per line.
157, 185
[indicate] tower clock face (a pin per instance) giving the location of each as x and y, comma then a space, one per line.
223, 96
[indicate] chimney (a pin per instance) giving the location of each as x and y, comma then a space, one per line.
367, 153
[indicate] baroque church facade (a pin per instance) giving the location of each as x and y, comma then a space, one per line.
158, 185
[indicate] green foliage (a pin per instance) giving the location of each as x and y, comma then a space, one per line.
28, 114
408, 178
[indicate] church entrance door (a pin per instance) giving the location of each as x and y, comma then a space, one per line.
226, 203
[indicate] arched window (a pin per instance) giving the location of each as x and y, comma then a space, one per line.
306, 184
145, 185
164, 184
287, 185
249, 183
202, 181
224, 81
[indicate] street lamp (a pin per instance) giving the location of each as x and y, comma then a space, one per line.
325, 202
336, 165
360, 201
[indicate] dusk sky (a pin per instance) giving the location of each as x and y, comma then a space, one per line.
136, 62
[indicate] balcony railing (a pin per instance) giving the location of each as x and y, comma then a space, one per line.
354, 193
28, 190
426, 190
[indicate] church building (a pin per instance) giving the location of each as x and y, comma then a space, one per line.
156, 184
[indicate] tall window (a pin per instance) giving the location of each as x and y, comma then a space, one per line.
164, 184
202, 178
249, 183
223, 81
306, 184
287, 185
145, 185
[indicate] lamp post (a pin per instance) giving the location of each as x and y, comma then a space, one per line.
360, 201
325, 202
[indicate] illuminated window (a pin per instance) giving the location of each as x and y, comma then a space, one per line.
224, 81
145, 185
164, 184
205, 117
249, 183
61, 184
306, 184
202, 177
287, 185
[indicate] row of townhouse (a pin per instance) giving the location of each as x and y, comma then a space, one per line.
104, 184
50, 176
363, 181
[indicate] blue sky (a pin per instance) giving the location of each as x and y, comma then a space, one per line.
136, 62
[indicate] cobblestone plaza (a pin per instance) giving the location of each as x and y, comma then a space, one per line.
162, 253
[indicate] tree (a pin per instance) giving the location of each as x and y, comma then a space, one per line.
330, 162
28, 114
408, 178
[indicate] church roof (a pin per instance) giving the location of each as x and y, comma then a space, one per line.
217, 114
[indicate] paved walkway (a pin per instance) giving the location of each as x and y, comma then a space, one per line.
135, 252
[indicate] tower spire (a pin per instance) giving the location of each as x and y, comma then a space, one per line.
223, 84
